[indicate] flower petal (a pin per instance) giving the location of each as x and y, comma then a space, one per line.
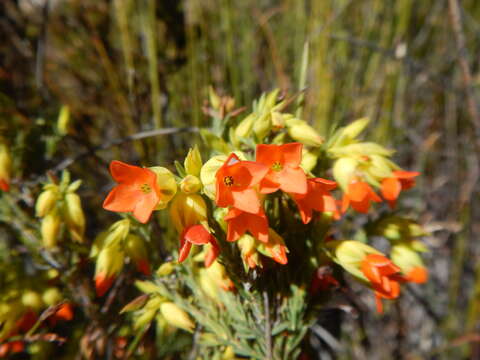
292, 154
391, 188
197, 234
246, 200
293, 180
268, 154
146, 203
125, 173
122, 198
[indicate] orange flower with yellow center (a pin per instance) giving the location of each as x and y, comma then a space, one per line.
317, 198
198, 235
359, 195
137, 191
235, 181
239, 222
384, 277
392, 186
285, 173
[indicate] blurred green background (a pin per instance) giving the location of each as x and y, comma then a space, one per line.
129, 66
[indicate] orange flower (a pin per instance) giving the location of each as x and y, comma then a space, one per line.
197, 235
4, 185
234, 182
103, 283
317, 198
137, 191
384, 277
417, 275
239, 222
392, 186
64, 313
284, 171
359, 195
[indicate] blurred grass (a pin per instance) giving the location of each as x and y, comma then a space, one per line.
125, 66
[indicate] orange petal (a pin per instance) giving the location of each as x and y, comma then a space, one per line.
125, 173
358, 191
122, 198
212, 253
268, 184
268, 154
327, 185
103, 283
391, 188
246, 200
418, 275
223, 196
4, 185
304, 209
378, 302
144, 267
293, 180
256, 170
196, 234
401, 174
361, 206
185, 247
292, 154
145, 205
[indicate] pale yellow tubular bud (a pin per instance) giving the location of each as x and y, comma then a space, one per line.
147, 287
228, 354
52, 296
309, 160
207, 174
379, 167
5, 164
32, 299
98, 244
271, 99
208, 286
167, 185
144, 318
109, 261
344, 170
116, 233
405, 257
187, 210
278, 120
190, 184
176, 316
50, 229
193, 162
354, 129
63, 121
245, 127
154, 302
166, 269
349, 254
46, 201
360, 149
217, 273
135, 248
215, 100
299, 130
74, 216
74, 186
248, 249
262, 126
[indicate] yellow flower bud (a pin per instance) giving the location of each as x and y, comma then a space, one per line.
32, 299
353, 129
63, 121
187, 210
115, 234
344, 170
52, 296
166, 269
349, 254
50, 229
262, 126
148, 287
5, 167
309, 160
136, 249
245, 127
248, 248
215, 100
109, 261
46, 200
74, 216
278, 120
405, 257
299, 130
360, 149
176, 316
145, 318
208, 286
190, 184
193, 162
167, 185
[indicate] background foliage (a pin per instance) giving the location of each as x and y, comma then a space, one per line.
127, 67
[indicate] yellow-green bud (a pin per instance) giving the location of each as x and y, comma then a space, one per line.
262, 126
32, 300
299, 130
190, 184
46, 201
52, 296
193, 162
147, 287
353, 129
215, 100
63, 121
244, 128
109, 261
309, 160
176, 316
188, 210
344, 170
50, 228
167, 185
115, 234
74, 216
165, 269
405, 257
145, 318
5, 166
135, 247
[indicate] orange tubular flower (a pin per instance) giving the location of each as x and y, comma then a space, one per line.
137, 191
392, 186
359, 195
234, 182
384, 277
284, 171
417, 275
317, 198
197, 235
239, 222
103, 283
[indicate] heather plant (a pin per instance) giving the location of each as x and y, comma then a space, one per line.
263, 223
